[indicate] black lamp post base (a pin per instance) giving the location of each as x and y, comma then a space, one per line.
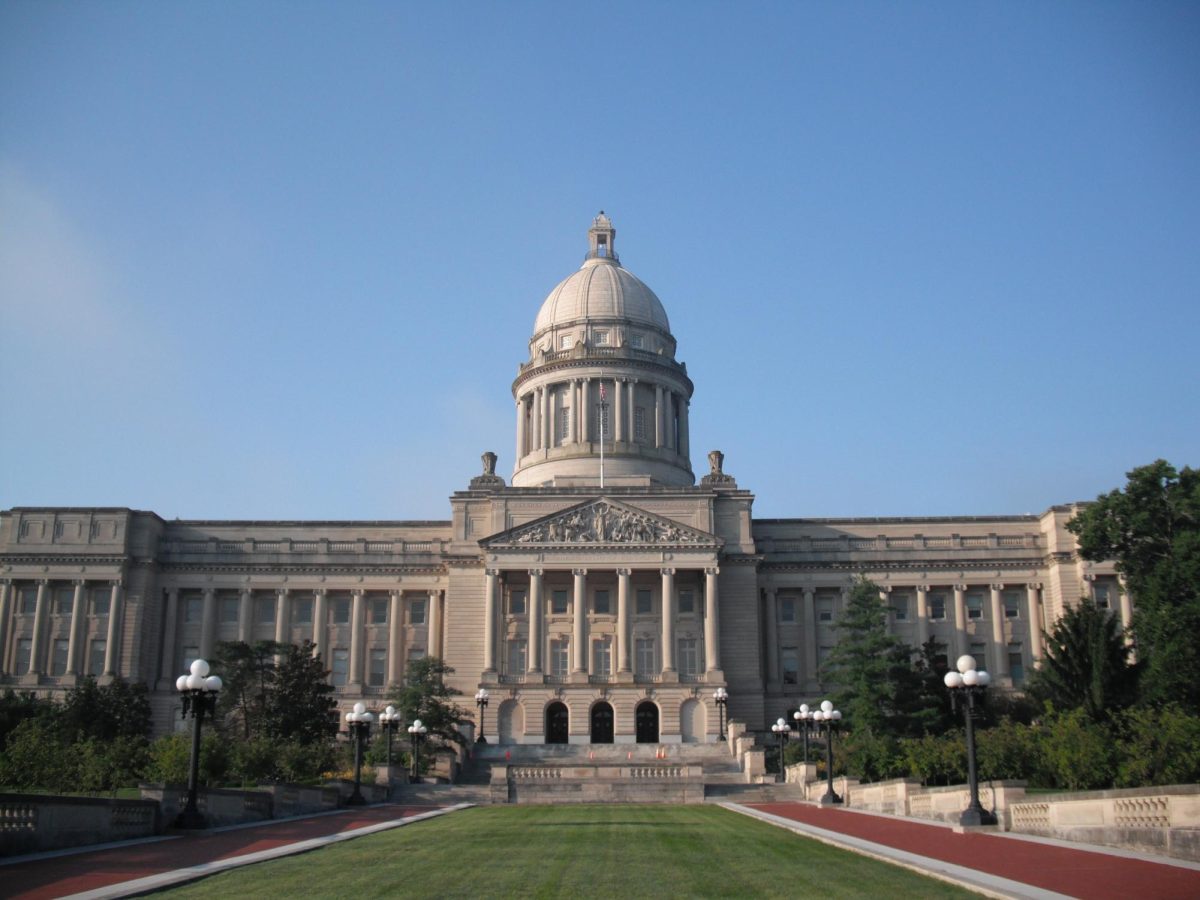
977, 815
356, 799
830, 799
191, 819
481, 740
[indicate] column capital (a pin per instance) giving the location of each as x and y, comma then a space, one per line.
357, 592
317, 592
885, 588
712, 570
922, 587
536, 573
666, 571
117, 582
283, 592
997, 586
624, 573
960, 587
79, 582
1033, 586
579, 572
491, 573
44, 582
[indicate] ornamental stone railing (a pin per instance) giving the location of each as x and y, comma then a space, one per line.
31, 823
644, 783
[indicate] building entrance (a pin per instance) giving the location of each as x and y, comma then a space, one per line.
602, 724
557, 727
646, 720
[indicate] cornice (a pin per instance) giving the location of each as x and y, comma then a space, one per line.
605, 362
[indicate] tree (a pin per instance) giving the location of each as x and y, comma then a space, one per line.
106, 712
1086, 664
248, 673
425, 696
1152, 530
878, 687
301, 706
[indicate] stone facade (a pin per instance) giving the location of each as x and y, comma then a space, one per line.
602, 597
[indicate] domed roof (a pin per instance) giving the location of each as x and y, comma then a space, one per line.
601, 289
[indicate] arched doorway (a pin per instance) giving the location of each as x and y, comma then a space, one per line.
646, 722
693, 721
602, 723
510, 722
557, 723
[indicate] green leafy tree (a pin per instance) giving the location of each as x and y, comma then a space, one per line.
1151, 529
106, 712
1158, 746
16, 708
1078, 752
879, 689
1086, 664
425, 696
301, 707
248, 675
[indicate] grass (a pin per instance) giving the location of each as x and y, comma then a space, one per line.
576, 851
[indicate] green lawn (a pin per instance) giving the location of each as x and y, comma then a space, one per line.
576, 851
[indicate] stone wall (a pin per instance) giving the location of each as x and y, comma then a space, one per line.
32, 823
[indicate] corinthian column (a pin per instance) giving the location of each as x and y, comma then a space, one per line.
772, 617
618, 424
354, 681
1035, 622
712, 653
623, 620
167, 670
208, 623
535, 621
580, 610
112, 645
489, 625
668, 620
999, 646
960, 620
73, 637
922, 614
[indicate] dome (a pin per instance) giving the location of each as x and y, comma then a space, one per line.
601, 290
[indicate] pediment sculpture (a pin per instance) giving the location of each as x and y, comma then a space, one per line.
605, 523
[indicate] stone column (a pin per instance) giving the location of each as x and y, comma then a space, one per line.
623, 620
245, 615
684, 440
489, 625
73, 637
960, 622
520, 428
1126, 605
772, 616
999, 645
208, 623
281, 621
618, 424
39, 630
547, 419
6, 593
669, 419
572, 411
395, 632
922, 615
435, 624
535, 621
580, 611
660, 425
712, 651
668, 620
354, 679
631, 400
585, 409
112, 640
810, 635
535, 432
889, 620
167, 669
1035, 621
321, 624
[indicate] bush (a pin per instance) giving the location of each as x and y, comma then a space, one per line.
872, 756
1158, 746
1079, 754
1009, 751
936, 759
170, 759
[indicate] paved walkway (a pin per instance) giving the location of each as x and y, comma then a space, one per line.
997, 863
135, 866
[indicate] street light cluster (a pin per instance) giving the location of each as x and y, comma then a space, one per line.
825, 716
967, 687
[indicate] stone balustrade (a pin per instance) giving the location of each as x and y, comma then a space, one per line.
635, 783
31, 823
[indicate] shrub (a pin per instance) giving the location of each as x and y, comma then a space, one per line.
1079, 754
1158, 746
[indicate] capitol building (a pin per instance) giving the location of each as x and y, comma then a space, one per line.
601, 593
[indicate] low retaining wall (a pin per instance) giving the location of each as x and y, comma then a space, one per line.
598, 784
32, 823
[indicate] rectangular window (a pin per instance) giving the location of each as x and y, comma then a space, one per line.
64, 599
416, 653
644, 661
58, 659
1016, 664
28, 605
899, 603
791, 665
601, 604
562, 424
602, 657
937, 607
515, 662
1012, 604
341, 667
635, 341
639, 424
565, 342
787, 609
558, 603
101, 597
228, 610
339, 610
687, 603
193, 609
558, 657
24, 653
264, 610
689, 659
379, 610
600, 338
416, 611
645, 602
974, 606
516, 603
824, 609
190, 655
1101, 593
302, 611
96, 651
979, 651
378, 669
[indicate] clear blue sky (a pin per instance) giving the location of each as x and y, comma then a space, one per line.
265, 260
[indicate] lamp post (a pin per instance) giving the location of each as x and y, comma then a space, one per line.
481, 700
360, 729
966, 685
781, 728
827, 716
199, 691
389, 721
721, 697
803, 717
416, 732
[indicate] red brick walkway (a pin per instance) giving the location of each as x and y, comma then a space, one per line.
1076, 872
71, 874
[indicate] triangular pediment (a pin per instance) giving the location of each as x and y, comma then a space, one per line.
603, 522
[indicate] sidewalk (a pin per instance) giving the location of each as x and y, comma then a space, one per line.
134, 866
1001, 864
